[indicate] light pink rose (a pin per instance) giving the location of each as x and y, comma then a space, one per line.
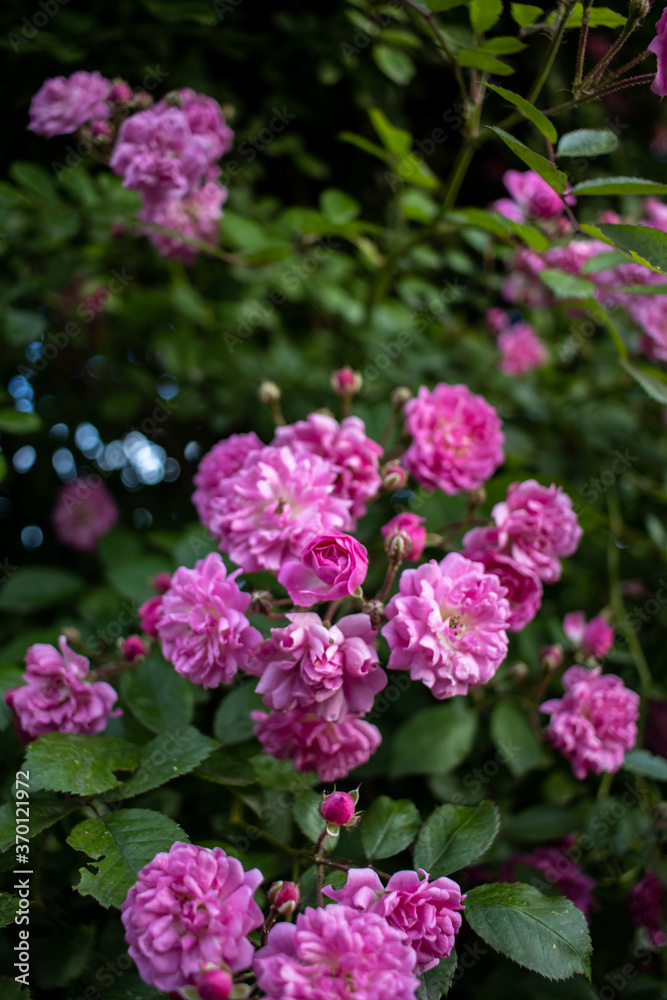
330, 567
659, 47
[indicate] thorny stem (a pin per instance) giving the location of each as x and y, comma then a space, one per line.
583, 41
601, 66
319, 862
392, 569
444, 45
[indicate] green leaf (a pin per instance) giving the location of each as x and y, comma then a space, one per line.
529, 110
524, 14
31, 588
338, 206
394, 63
362, 143
436, 6
280, 774
159, 697
599, 17
555, 178
120, 843
647, 764
268, 255
567, 286
518, 745
499, 225
436, 982
10, 677
618, 185
8, 908
587, 142
539, 823
503, 45
644, 244
433, 740
484, 14
650, 383
11, 990
388, 827
22, 326
545, 934
16, 422
232, 722
455, 836
34, 178
222, 769
396, 140
166, 756
85, 765
484, 61
133, 580
44, 812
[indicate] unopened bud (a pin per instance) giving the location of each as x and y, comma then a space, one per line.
345, 382
551, 657
133, 649
268, 393
215, 984
394, 477
397, 545
375, 611
121, 92
638, 9
400, 396
161, 582
100, 130
141, 100
284, 896
173, 99
518, 671
338, 809
477, 497
73, 636
261, 602
660, 815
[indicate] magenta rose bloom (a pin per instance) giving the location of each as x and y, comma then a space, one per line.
410, 528
84, 512
448, 625
158, 154
274, 505
559, 870
149, 612
648, 908
336, 953
62, 104
593, 638
332, 672
202, 623
457, 443
521, 350
595, 722
536, 525
56, 698
524, 590
531, 197
194, 217
332, 749
659, 47
426, 913
218, 465
330, 567
205, 118
353, 456
188, 908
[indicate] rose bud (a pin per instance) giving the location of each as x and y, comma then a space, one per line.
133, 648
345, 382
330, 567
284, 896
214, 984
551, 657
394, 477
408, 527
338, 809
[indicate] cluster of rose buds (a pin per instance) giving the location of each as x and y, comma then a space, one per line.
167, 151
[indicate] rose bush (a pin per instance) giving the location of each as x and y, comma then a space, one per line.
333, 600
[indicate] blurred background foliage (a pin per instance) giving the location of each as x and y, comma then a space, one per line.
333, 252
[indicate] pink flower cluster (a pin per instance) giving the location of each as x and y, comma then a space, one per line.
84, 512
336, 953
427, 914
56, 697
521, 350
594, 638
63, 104
169, 153
448, 625
595, 722
202, 623
189, 908
318, 681
457, 443
524, 286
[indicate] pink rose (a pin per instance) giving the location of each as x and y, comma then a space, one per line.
594, 638
330, 567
